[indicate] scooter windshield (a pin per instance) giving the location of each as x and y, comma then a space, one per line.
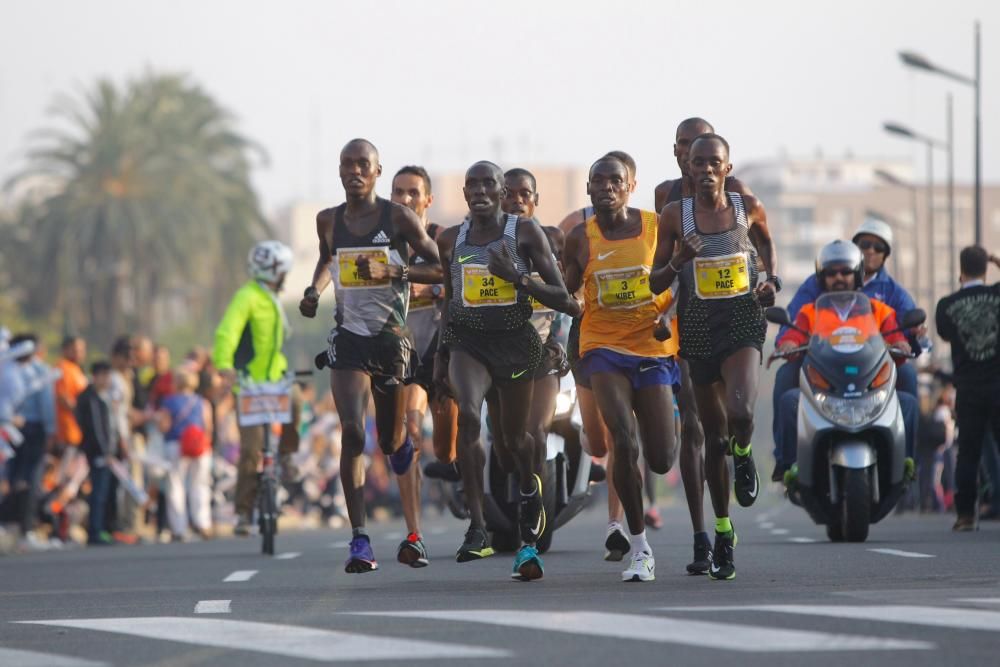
844, 321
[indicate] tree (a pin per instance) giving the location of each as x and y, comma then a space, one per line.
136, 198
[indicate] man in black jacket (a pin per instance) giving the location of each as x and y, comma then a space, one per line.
969, 319
93, 414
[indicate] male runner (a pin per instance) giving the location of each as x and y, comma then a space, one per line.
364, 249
488, 341
692, 461
718, 235
411, 187
630, 371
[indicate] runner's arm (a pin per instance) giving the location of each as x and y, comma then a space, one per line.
533, 242
321, 274
760, 235
573, 262
412, 230
667, 263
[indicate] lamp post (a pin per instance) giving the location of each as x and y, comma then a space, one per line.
892, 179
931, 144
917, 61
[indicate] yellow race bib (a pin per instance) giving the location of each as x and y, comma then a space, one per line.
482, 288
623, 288
721, 277
348, 269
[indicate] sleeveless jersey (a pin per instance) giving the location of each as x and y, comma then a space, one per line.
368, 307
423, 315
620, 310
480, 300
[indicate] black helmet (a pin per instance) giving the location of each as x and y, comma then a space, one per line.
839, 253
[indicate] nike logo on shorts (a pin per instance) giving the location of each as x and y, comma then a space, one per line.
604, 255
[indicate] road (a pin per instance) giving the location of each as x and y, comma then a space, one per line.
914, 594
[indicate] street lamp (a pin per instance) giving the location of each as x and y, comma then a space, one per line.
931, 144
894, 180
918, 61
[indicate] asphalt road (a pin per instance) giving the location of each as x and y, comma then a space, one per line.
930, 598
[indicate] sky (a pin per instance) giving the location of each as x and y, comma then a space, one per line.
445, 83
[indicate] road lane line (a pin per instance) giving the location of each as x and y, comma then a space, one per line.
779, 531
13, 656
288, 555
903, 554
705, 634
978, 600
240, 575
285, 640
213, 607
802, 540
942, 617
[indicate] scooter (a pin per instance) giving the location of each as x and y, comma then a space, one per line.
851, 443
565, 482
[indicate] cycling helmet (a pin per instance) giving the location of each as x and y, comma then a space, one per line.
878, 228
840, 252
269, 260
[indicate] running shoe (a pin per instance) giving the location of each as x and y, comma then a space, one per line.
412, 551
723, 567
447, 472
527, 564
617, 544
641, 567
964, 523
532, 514
401, 459
745, 480
653, 519
598, 473
362, 558
475, 546
702, 555
243, 525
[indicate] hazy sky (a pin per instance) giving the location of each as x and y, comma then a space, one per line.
544, 81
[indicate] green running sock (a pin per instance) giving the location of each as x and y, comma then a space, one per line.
737, 450
723, 525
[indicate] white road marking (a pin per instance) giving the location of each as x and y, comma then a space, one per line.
739, 638
213, 607
941, 617
240, 575
13, 656
288, 555
801, 540
285, 640
978, 600
779, 531
766, 525
341, 545
904, 554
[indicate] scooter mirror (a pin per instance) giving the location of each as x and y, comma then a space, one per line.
914, 318
778, 315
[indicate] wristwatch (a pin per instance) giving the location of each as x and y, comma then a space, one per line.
776, 281
437, 290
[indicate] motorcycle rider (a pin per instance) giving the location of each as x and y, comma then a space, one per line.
874, 239
839, 268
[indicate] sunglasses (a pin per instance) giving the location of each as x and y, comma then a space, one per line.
833, 273
877, 246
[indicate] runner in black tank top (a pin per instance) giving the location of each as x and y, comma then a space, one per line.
718, 268
487, 263
364, 246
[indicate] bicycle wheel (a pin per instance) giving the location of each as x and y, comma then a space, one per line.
268, 518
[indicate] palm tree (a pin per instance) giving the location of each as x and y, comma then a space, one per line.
145, 192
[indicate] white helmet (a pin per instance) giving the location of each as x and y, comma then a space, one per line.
269, 260
878, 228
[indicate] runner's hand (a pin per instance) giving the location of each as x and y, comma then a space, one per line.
502, 264
308, 306
369, 270
687, 249
764, 294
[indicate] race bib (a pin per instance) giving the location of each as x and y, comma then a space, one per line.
348, 269
721, 277
482, 288
536, 305
623, 288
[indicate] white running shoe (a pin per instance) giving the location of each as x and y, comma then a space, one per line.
641, 568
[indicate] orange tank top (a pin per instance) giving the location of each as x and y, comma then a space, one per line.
620, 311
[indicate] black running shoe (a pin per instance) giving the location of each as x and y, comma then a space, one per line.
702, 556
475, 547
617, 545
778, 474
722, 567
447, 472
532, 514
412, 551
745, 480
598, 473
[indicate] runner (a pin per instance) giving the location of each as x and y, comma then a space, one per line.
364, 251
629, 370
487, 341
692, 461
721, 321
411, 187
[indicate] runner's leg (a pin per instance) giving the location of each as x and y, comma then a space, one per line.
470, 381
351, 390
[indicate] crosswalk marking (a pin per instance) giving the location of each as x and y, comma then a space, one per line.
240, 575
739, 638
903, 554
285, 640
212, 607
941, 617
13, 656
288, 555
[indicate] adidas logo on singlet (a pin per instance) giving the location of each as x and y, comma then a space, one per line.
380, 237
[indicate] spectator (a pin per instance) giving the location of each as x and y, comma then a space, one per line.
162, 384
969, 319
68, 387
127, 511
186, 419
93, 419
